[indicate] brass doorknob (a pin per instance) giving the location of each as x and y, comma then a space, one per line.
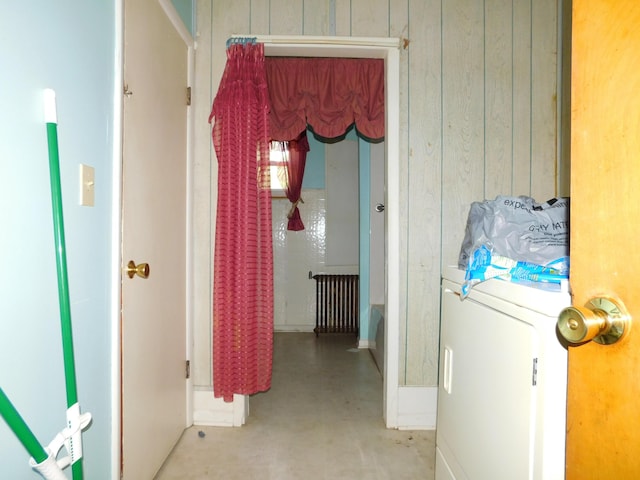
142, 270
603, 320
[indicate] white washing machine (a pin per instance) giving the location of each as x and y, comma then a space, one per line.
502, 382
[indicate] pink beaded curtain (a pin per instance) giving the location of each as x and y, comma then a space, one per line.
292, 159
243, 257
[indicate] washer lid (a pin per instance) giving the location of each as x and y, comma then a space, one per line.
539, 299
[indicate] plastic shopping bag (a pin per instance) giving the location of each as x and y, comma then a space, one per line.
483, 265
518, 228
516, 239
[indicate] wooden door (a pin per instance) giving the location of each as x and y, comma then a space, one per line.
603, 423
153, 231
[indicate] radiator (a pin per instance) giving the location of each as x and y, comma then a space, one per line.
337, 307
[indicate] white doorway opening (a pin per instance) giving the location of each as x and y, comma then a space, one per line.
389, 50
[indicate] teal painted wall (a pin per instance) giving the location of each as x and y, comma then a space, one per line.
364, 180
187, 11
314, 171
68, 46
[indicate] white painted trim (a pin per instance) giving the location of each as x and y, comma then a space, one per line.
190, 303
177, 22
389, 49
175, 19
392, 237
309, 329
302, 42
210, 411
417, 408
116, 238
294, 328
342, 47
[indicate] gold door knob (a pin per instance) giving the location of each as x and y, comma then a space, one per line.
142, 270
603, 320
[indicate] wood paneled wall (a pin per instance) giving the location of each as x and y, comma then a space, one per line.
477, 118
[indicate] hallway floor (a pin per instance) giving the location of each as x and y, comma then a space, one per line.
322, 419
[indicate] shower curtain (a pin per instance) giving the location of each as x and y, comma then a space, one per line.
243, 256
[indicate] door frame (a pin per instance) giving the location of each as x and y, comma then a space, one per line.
116, 225
389, 50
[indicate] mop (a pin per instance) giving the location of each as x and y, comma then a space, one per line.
75, 421
44, 459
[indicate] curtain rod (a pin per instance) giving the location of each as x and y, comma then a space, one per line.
240, 40
387, 42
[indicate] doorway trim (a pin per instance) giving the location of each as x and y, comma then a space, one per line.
389, 50
185, 34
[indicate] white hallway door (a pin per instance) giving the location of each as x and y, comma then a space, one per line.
154, 232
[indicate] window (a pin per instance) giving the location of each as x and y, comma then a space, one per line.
276, 169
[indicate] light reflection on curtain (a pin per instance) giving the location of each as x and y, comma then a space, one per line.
243, 257
292, 159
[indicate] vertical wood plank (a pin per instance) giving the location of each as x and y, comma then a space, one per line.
564, 170
522, 78
424, 191
286, 17
399, 24
369, 18
544, 99
316, 17
498, 98
399, 19
259, 17
343, 18
229, 17
463, 119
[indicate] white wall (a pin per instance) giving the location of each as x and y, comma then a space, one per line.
477, 118
70, 47
294, 255
298, 253
343, 207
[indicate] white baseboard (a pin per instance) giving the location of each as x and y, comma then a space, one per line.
210, 411
293, 328
366, 343
417, 408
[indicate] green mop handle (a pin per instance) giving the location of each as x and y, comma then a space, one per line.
61, 259
21, 429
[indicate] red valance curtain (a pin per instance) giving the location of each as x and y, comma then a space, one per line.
243, 257
293, 156
330, 94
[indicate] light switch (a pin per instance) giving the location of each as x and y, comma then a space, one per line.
87, 185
